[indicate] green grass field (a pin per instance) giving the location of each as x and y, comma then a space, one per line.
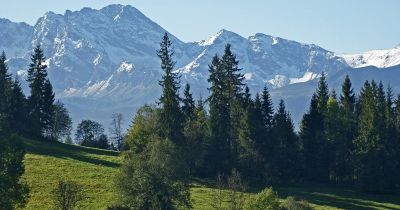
47, 163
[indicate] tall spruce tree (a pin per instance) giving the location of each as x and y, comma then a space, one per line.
337, 142
397, 128
267, 108
233, 91
347, 97
285, 164
258, 120
232, 78
171, 117
188, 104
196, 135
322, 94
5, 86
219, 143
41, 94
376, 164
313, 135
48, 109
18, 109
251, 125
226, 106
341, 123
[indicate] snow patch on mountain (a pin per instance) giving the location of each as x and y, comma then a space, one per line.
125, 67
377, 58
105, 60
279, 81
308, 76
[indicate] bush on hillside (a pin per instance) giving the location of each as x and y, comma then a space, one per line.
267, 199
154, 178
67, 195
291, 204
13, 191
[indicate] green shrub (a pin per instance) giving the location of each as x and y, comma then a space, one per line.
67, 194
154, 178
264, 200
291, 204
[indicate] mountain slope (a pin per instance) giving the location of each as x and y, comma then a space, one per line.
377, 58
15, 38
104, 61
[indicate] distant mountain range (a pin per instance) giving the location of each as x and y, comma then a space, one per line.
104, 61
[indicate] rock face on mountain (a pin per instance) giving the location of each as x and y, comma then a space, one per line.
104, 61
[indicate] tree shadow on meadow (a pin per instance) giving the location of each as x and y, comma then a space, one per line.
343, 198
65, 151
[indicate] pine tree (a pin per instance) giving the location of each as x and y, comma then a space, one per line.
392, 143
171, 117
390, 108
346, 129
285, 164
18, 109
347, 98
258, 120
313, 135
233, 90
397, 113
337, 141
196, 135
37, 77
219, 143
5, 86
188, 104
233, 79
267, 108
48, 109
322, 94
381, 109
367, 138
376, 164
397, 135
246, 151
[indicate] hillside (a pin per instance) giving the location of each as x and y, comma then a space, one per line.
47, 163
94, 169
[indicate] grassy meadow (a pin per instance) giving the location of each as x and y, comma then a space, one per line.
46, 163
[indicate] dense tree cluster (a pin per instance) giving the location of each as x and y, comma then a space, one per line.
155, 172
343, 139
37, 115
352, 140
91, 134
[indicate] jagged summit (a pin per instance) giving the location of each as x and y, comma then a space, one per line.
378, 58
105, 60
222, 35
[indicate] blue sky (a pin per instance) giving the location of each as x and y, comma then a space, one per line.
339, 25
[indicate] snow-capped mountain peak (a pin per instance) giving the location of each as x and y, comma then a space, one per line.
378, 58
105, 60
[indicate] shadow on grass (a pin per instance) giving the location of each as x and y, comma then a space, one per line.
342, 198
60, 150
339, 197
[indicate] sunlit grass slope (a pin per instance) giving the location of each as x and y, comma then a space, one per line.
94, 169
